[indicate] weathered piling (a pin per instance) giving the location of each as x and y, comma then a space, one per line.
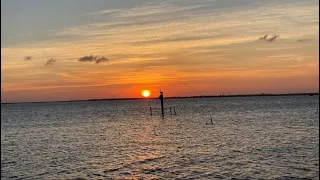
150, 111
161, 98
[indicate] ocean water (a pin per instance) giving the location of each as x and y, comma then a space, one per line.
250, 138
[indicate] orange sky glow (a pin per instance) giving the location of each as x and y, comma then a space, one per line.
118, 52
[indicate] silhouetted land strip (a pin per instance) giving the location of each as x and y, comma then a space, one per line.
180, 97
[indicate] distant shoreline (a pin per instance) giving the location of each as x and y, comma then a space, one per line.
177, 97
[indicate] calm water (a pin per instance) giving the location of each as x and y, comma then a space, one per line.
251, 137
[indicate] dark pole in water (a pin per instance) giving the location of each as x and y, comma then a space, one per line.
150, 111
161, 98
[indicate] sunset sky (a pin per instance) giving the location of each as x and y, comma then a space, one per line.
92, 49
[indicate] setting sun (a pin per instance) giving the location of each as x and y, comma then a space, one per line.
145, 93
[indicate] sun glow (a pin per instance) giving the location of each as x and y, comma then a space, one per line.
145, 93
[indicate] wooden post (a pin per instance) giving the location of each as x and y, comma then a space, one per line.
161, 98
174, 110
170, 111
150, 111
162, 112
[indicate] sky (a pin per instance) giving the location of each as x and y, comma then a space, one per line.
79, 49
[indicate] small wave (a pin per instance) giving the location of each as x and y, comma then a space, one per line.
93, 175
148, 160
125, 173
44, 173
9, 162
13, 177
80, 169
152, 170
79, 178
64, 172
301, 168
111, 170
291, 178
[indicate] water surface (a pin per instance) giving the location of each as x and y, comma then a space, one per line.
251, 137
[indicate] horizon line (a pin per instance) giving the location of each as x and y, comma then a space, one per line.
173, 97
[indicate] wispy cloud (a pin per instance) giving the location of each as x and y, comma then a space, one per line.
87, 58
177, 39
27, 58
273, 38
50, 62
93, 59
190, 21
101, 59
265, 38
303, 40
107, 11
147, 10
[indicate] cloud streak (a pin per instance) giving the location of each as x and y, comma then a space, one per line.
273, 38
147, 10
92, 58
265, 38
101, 59
303, 40
88, 58
27, 58
177, 39
50, 62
